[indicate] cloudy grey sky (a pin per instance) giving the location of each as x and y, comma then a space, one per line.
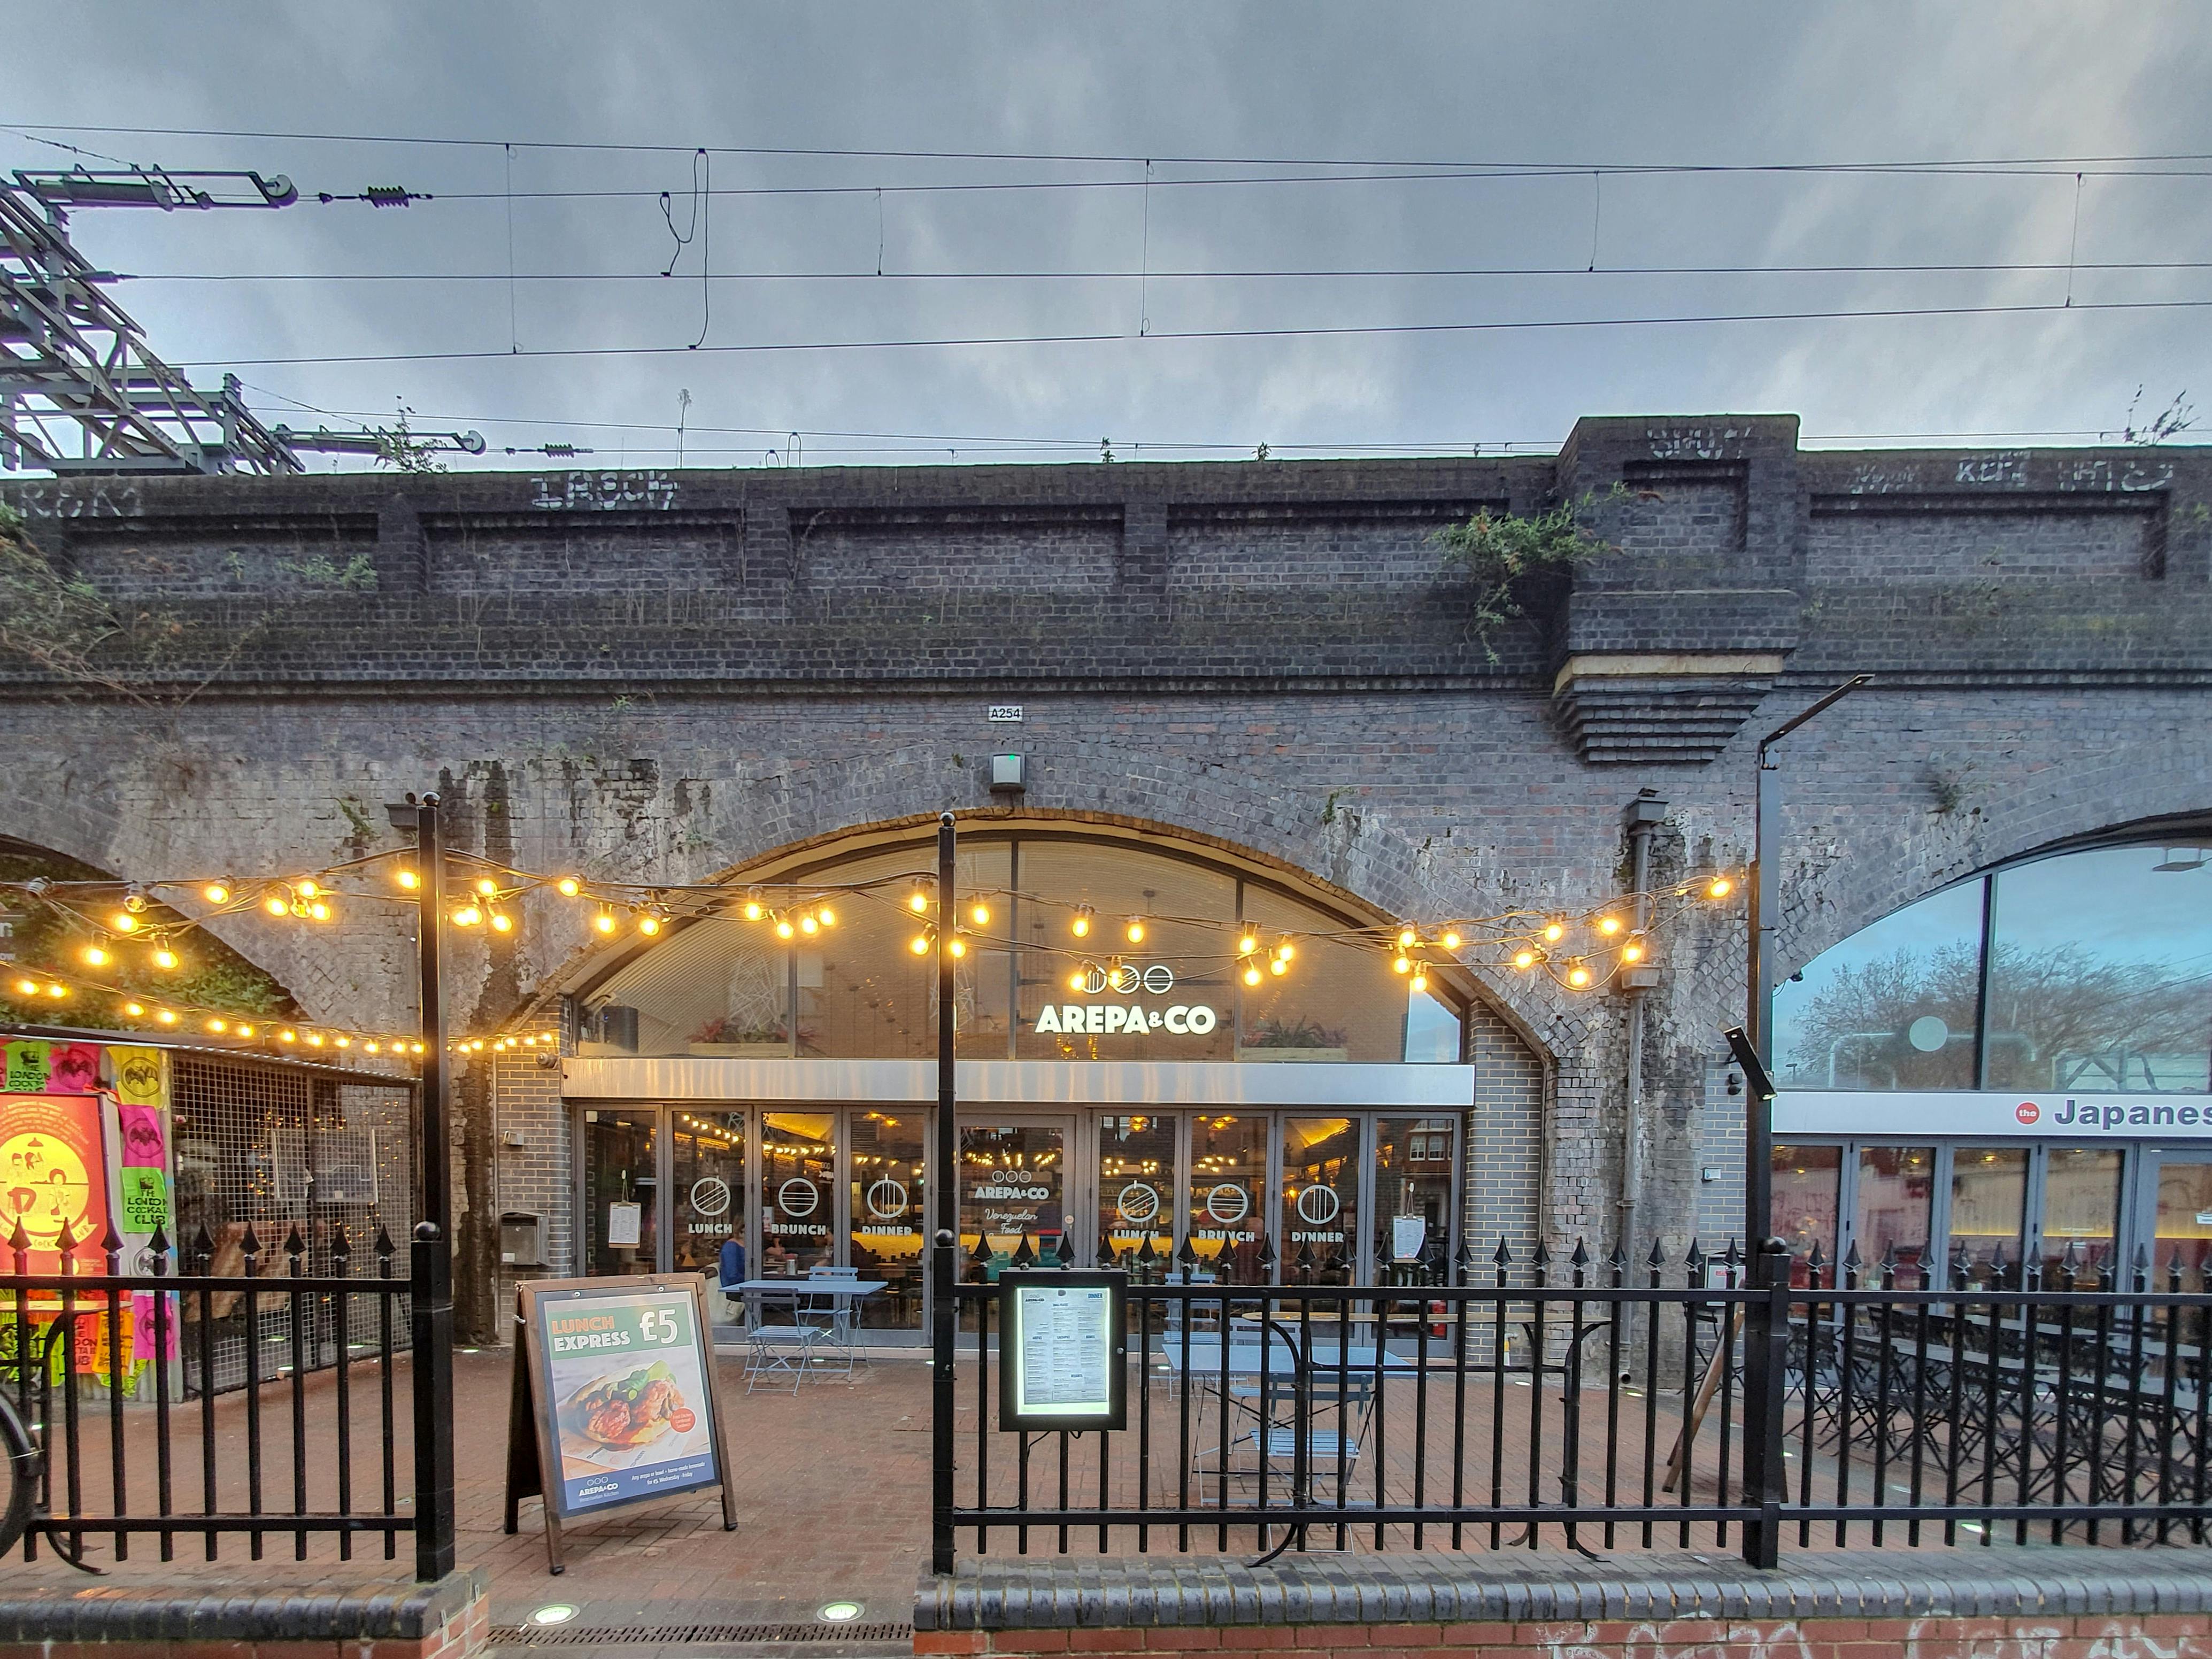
1535, 126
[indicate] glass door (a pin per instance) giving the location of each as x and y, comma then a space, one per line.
799, 1193
622, 1189
1013, 1194
1227, 1196
1320, 1200
707, 1190
887, 1208
2183, 1225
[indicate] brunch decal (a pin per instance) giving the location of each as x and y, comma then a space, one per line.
628, 1390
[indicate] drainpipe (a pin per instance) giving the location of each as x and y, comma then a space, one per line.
1640, 818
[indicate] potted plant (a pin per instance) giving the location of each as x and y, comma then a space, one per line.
1271, 1037
727, 1038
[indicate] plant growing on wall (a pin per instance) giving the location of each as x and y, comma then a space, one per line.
1269, 1032
1499, 553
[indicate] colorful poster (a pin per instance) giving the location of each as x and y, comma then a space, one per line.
27, 1066
145, 1144
53, 1170
145, 1200
137, 1076
625, 1382
72, 1068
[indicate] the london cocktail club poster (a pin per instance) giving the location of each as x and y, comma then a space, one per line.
614, 1397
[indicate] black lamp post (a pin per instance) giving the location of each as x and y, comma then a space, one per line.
944, 1253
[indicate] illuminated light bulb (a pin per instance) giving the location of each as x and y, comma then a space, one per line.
371, 1046
1420, 980
218, 1025
288, 1035
1079, 923
1075, 980
1578, 975
95, 957
28, 988
217, 892
314, 1039
1406, 937
407, 878
276, 906
1285, 950
918, 900
246, 1030
1451, 939
124, 922
1278, 967
1252, 975
475, 1044
487, 887
809, 925
134, 1009
548, 1037
826, 916
319, 911
167, 1016
959, 949
307, 889
1632, 952
606, 922
1404, 965
1524, 959
501, 923
918, 945
467, 916
980, 914
415, 1047
569, 887
56, 990
164, 958
783, 927
1719, 887
530, 1043
1608, 926
648, 924
1247, 942
1554, 932
753, 910
1136, 931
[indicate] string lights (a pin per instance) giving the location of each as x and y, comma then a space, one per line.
115, 921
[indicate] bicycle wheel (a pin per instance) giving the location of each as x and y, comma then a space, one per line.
22, 1478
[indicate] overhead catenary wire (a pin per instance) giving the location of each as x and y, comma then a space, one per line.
1277, 332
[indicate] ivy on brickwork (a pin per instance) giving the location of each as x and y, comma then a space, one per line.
57, 621
1500, 555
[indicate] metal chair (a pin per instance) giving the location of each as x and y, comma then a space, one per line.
776, 1350
837, 1317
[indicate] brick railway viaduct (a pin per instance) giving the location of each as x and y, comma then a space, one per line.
672, 675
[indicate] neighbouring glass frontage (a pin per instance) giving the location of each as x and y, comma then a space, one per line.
2017, 1069
1092, 965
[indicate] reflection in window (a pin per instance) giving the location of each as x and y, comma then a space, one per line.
1330, 1003
2100, 969
799, 1193
1432, 1035
1895, 1210
2184, 1219
1805, 1184
1136, 1190
1891, 1007
1989, 1208
1012, 1183
2081, 1211
709, 1191
1228, 1195
1413, 1192
621, 1184
889, 1199
1320, 1200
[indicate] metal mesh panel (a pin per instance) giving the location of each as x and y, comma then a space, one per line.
272, 1148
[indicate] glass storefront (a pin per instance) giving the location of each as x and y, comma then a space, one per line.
1989, 1205
1807, 1181
1012, 1179
1321, 1199
1414, 1159
708, 1189
798, 1192
1136, 1186
888, 1204
621, 1229
1228, 1195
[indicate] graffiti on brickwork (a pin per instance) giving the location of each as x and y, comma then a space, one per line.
1931, 1637
79, 501
2005, 468
604, 492
2101, 472
1677, 1639
1694, 443
1873, 479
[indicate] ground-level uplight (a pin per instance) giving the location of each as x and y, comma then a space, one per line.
554, 1612
838, 1613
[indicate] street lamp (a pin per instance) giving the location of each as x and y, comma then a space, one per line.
1753, 1042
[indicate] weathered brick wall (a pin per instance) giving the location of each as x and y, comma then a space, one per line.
669, 676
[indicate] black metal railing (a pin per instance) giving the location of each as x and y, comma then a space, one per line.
1599, 1405
122, 1380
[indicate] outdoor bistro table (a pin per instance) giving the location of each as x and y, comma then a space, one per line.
807, 1297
